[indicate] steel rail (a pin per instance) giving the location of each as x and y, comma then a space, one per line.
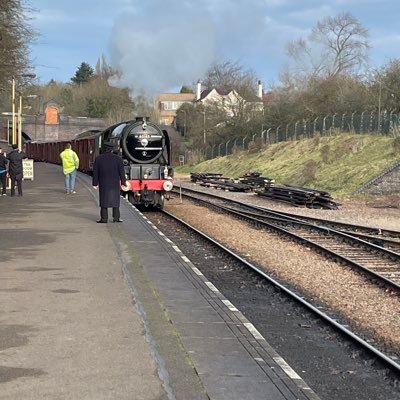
388, 253
282, 218
323, 222
341, 328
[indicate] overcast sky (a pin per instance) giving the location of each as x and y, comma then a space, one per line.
160, 45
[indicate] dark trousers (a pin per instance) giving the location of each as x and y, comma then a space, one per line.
18, 180
104, 213
3, 179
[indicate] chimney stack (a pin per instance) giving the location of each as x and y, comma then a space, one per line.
260, 90
198, 90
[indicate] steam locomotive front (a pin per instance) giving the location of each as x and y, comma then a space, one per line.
146, 149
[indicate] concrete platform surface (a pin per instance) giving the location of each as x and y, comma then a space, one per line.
68, 325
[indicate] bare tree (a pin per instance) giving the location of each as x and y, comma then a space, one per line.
230, 75
16, 34
103, 69
385, 85
228, 117
337, 45
96, 98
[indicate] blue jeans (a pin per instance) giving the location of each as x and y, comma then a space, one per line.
3, 180
70, 181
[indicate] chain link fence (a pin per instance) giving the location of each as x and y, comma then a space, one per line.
384, 123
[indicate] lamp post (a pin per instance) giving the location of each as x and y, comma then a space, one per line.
204, 126
262, 120
379, 106
14, 119
184, 122
20, 124
13, 111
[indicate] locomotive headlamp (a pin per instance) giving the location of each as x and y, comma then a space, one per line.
167, 186
144, 142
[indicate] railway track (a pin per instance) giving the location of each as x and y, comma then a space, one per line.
380, 263
233, 274
373, 233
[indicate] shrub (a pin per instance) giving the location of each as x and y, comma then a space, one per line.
309, 171
276, 148
396, 144
325, 152
335, 132
350, 145
255, 146
235, 150
316, 139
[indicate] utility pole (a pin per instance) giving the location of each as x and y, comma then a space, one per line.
13, 111
184, 122
379, 106
15, 139
19, 141
204, 127
262, 120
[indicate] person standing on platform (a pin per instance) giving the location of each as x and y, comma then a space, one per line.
70, 164
15, 169
3, 171
108, 177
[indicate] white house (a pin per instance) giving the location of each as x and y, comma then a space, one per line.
229, 99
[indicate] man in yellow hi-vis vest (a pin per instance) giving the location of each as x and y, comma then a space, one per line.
70, 163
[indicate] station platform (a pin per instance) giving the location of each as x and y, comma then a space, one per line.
116, 311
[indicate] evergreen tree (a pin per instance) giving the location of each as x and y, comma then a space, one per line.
186, 89
83, 74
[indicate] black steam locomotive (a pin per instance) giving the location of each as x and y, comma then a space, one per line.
146, 152
144, 147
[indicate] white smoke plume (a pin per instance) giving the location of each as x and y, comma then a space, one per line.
159, 45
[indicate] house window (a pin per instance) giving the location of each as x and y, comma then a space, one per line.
176, 104
171, 105
164, 121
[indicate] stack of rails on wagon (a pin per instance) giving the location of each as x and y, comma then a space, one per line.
144, 147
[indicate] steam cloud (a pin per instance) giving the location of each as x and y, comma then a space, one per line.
159, 45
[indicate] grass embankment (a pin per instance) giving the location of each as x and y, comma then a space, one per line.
338, 164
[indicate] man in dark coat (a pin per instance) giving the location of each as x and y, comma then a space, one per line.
3, 171
108, 176
15, 169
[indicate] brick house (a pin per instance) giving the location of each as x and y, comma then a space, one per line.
167, 104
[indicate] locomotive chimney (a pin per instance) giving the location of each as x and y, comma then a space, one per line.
198, 90
259, 90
